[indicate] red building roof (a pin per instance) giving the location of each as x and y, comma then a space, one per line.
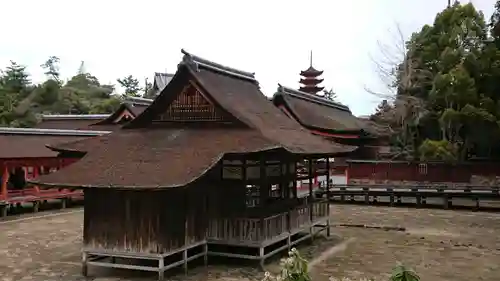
18, 143
69, 121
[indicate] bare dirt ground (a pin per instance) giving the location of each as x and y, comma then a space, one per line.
441, 245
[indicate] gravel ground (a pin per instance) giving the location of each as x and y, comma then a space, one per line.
440, 245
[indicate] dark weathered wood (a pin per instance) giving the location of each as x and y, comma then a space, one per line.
328, 195
192, 105
141, 223
311, 195
248, 230
239, 207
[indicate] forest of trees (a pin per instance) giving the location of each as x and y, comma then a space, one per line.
21, 101
446, 104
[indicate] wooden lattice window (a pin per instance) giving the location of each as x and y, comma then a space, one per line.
192, 105
422, 168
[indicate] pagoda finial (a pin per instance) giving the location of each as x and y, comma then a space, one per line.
310, 80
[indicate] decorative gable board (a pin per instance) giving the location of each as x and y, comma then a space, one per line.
192, 105
125, 116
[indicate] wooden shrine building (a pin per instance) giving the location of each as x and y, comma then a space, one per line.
24, 155
124, 114
332, 120
138, 101
69, 121
208, 169
161, 81
128, 110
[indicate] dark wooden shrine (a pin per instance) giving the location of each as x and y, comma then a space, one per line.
209, 168
329, 119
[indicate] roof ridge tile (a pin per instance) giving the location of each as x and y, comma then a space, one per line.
312, 98
190, 59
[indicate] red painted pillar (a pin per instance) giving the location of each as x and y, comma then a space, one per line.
35, 171
35, 174
347, 179
5, 180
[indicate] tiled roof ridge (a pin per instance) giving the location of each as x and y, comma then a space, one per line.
50, 132
73, 116
164, 74
312, 98
138, 101
123, 106
190, 59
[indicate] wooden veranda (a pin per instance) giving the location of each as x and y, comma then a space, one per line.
273, 218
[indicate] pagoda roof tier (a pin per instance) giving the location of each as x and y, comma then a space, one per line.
315, 112
170, 146
311, 72
311, 90
310, 81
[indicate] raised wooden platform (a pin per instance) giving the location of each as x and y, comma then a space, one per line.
36, 197
245, 238
258, 239
148, 262
420, 194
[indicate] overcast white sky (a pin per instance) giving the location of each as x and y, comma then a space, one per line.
272, 38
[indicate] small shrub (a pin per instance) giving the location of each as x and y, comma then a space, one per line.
295, 268
403, 273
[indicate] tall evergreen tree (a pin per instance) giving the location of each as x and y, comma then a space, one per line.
131, 85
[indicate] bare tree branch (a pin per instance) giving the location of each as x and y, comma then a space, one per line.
401, 72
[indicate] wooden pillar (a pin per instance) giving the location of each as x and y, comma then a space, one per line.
310, 174
205, 257
285, 181
311, 197
294, 183
347, 175
4, 192
84, 264
187, 205
5, 180
161, 271
283, 187
328, 196
35, 175
263, 193
244, 177
185, 258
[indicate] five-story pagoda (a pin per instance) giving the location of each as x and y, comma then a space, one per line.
310, 79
